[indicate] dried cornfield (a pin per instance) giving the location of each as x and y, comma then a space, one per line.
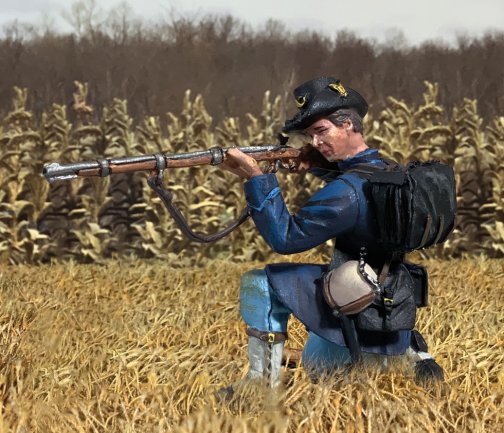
141, 346
94, 219
132, 345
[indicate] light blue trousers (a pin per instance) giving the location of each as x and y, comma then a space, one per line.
260, 309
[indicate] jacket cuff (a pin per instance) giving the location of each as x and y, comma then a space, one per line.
260, 189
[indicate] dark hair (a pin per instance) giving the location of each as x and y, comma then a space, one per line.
339, 117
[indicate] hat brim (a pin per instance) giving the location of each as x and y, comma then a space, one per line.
325, 103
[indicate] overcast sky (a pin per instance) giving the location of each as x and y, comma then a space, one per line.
419, 20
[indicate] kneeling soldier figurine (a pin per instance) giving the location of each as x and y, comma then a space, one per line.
330, 115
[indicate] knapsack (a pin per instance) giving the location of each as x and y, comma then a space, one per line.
415, 205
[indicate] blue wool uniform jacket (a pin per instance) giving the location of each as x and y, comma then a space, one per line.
338, 211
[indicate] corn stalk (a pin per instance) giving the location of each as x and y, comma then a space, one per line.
92, 219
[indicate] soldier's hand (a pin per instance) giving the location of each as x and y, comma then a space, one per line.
241, 164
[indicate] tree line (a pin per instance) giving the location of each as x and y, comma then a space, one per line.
232, 65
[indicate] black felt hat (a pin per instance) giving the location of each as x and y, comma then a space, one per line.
320, 97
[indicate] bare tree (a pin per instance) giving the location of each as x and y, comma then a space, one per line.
84, 17
121, 21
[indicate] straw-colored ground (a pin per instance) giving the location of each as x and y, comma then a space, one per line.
140, 347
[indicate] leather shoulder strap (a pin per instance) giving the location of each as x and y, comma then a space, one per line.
365, 170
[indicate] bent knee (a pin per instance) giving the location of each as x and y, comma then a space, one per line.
254, 282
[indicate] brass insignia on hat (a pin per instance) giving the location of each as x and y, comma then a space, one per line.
339, 88
301, 101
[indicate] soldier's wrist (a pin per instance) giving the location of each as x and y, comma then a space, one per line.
254, 173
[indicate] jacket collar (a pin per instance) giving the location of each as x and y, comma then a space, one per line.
366, 156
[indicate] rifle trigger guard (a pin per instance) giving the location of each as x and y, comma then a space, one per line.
160, 167
217, 155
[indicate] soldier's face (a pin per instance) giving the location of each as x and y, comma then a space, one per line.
330, 140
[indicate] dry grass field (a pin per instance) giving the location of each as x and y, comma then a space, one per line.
139, 346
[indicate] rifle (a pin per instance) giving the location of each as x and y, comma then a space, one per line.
279, 156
